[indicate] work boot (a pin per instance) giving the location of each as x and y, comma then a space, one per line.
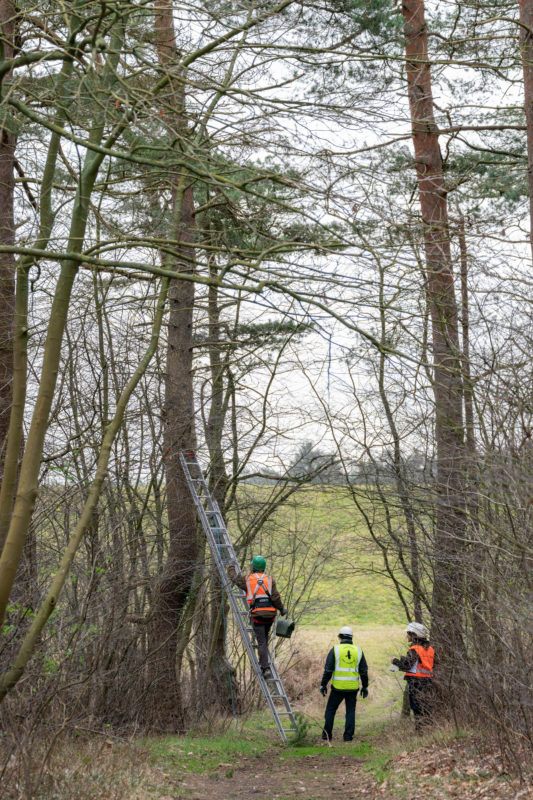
267, 673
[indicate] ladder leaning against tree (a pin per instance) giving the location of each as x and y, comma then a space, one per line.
223, 555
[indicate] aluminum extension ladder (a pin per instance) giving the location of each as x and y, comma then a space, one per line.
223, 555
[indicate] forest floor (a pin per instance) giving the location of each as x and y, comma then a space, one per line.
237, 765
433, 771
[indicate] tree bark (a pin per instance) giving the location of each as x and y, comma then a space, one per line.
217, 669
8, 140
447, 367
526, 49
163, 700
465, 329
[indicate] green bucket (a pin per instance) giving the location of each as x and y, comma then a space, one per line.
284, 628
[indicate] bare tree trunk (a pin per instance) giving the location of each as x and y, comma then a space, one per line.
447, 367
526, 48
465, 328
7, 235
218, 477
218, 670
163, 699
402, 486
480, 585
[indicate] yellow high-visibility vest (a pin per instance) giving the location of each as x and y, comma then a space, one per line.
346, 673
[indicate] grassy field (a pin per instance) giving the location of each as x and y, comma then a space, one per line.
320, 531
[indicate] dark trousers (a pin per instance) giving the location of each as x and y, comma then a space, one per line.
335, 698
421, 699
261, 630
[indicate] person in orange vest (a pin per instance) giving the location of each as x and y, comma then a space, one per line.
418, 665
264, 601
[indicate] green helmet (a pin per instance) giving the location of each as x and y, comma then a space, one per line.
258, 564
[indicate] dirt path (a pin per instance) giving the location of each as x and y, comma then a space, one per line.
439, 772
311, 777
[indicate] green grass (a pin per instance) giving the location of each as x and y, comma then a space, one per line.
360, 749
376, 744
204, 754
213, 755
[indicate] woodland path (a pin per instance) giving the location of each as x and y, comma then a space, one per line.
461, 769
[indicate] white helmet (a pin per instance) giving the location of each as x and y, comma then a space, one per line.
345, 631
419, 630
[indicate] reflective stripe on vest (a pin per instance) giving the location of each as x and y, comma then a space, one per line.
346, 673
256, 591
423, 666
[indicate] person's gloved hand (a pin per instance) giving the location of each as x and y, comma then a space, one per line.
364, 693
323, 690
283, 612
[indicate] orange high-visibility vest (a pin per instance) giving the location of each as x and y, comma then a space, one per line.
258, 587
423, 666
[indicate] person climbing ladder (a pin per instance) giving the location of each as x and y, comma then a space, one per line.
263, 600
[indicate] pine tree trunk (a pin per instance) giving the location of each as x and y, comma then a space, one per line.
447, 367
163, 699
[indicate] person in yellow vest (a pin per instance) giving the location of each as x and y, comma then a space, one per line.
346, 666
418, 665
264, 602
